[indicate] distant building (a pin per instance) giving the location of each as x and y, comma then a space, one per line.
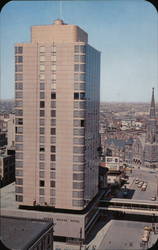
3, 139
145, 147
21, 233
151, 140
7, 167
112, 163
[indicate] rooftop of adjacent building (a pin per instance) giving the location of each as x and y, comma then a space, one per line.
21, 233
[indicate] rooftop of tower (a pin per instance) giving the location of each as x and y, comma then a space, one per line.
58, 31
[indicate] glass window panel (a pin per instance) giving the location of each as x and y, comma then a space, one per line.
42, 67
42, 139
19, 147
42, 86
18, 68
53, 139
53, 122
19, 85
42, 76
18, 138
18, 94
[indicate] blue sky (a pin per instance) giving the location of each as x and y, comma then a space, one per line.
124, 31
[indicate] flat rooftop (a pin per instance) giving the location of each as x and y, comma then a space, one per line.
20, 233
126, 235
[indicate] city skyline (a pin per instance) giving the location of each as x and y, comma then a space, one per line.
135, 51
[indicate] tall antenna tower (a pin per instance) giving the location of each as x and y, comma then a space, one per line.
60, 9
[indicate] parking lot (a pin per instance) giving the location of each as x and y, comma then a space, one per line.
150, 177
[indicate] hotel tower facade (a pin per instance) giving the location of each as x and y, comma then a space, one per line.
57, 77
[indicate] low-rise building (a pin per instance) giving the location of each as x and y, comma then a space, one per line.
7, 167
23, 233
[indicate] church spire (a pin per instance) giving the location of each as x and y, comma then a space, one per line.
152, 106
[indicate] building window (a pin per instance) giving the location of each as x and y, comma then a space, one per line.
78, 185
77, 203
19, 155
53, 139
77, 194
77, 49
53, 157
78, 176
19, 181
41, 183
41, 165
19, 138
52, 191
41, 191
19, 121
18, 103
42, 139
18, 189
53, 149
19, 85
52, 202
78, 150
80, 49
42, 149
41, 157
42, 67
53, 113
18, 94
79, 141
41, 85
19, 112
18, 130
19, 198
42, 113
18, 77
76, 123
78, 168
19, 50
82, 86
78, 158
19, 172
42, 49
52, 166
82, 96
53, 95
42, 76
42, 95
76, 96
53, 122
19, 164
53, 86
42, 122
52, 175
53, 131
79, 67
42, 131
53, 104
52, 183
19, 147
18, 68
41, 174
18, 59
82, 123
